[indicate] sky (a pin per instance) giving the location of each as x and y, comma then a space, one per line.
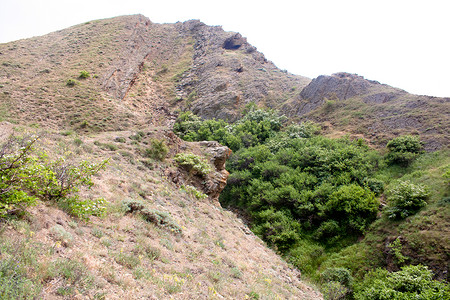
403, 43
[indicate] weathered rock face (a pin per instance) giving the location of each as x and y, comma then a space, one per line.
234, 42
227, 73
121, 75
217, 179
213, 183
337, 86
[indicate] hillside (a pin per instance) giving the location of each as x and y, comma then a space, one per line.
112, 90
197, 251
188, 247
142, 73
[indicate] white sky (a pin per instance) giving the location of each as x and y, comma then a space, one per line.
404, 43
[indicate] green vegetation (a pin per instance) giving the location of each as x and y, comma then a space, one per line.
158, 218
28, 175
191, 190
84, 74
193, 163
313, 198
23, 274
158, 150
412, 282
71, 82
406, 198
404, 149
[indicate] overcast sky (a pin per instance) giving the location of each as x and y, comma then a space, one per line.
403, 43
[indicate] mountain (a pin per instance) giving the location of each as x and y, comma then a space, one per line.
142, 73
103, 92
111, 90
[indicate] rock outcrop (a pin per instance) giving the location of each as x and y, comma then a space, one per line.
215, 181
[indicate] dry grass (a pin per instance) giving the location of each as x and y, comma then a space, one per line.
126, 257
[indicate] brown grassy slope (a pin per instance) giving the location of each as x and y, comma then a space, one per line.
34, 73
122, 256
139, 73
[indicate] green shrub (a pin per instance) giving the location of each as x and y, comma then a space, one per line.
120, 139
129, 261
15, 264
277, 228
19, 173
28, 176
158, 150
131, 205
375, 185
84, 208
84, 74
395, 248
193, 163
403, 150
303, 130
74, 277
405, 198
161, 219
138, 136
61, 235
191, 190
334, 290
341, 275
354, 207
77, 142
411, 282
71, 82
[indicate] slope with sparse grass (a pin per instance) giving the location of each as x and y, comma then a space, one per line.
157, 239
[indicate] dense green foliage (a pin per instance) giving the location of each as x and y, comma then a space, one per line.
158, 150
406, 198
28, 175
292, 182
253, 129
193, 163
404, 149
311, 197
412, 282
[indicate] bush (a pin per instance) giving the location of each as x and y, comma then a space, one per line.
341, 275
158, 150
131, 205
405, 198
19, 173
411, 282
403, 150
71, 82
354, 207
194, 192
84, 208
14, 269
27, 178
84, 74
334, 290
161, 219
61, 235
193, 163
277, 228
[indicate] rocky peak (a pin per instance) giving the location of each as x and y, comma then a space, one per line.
234, 42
